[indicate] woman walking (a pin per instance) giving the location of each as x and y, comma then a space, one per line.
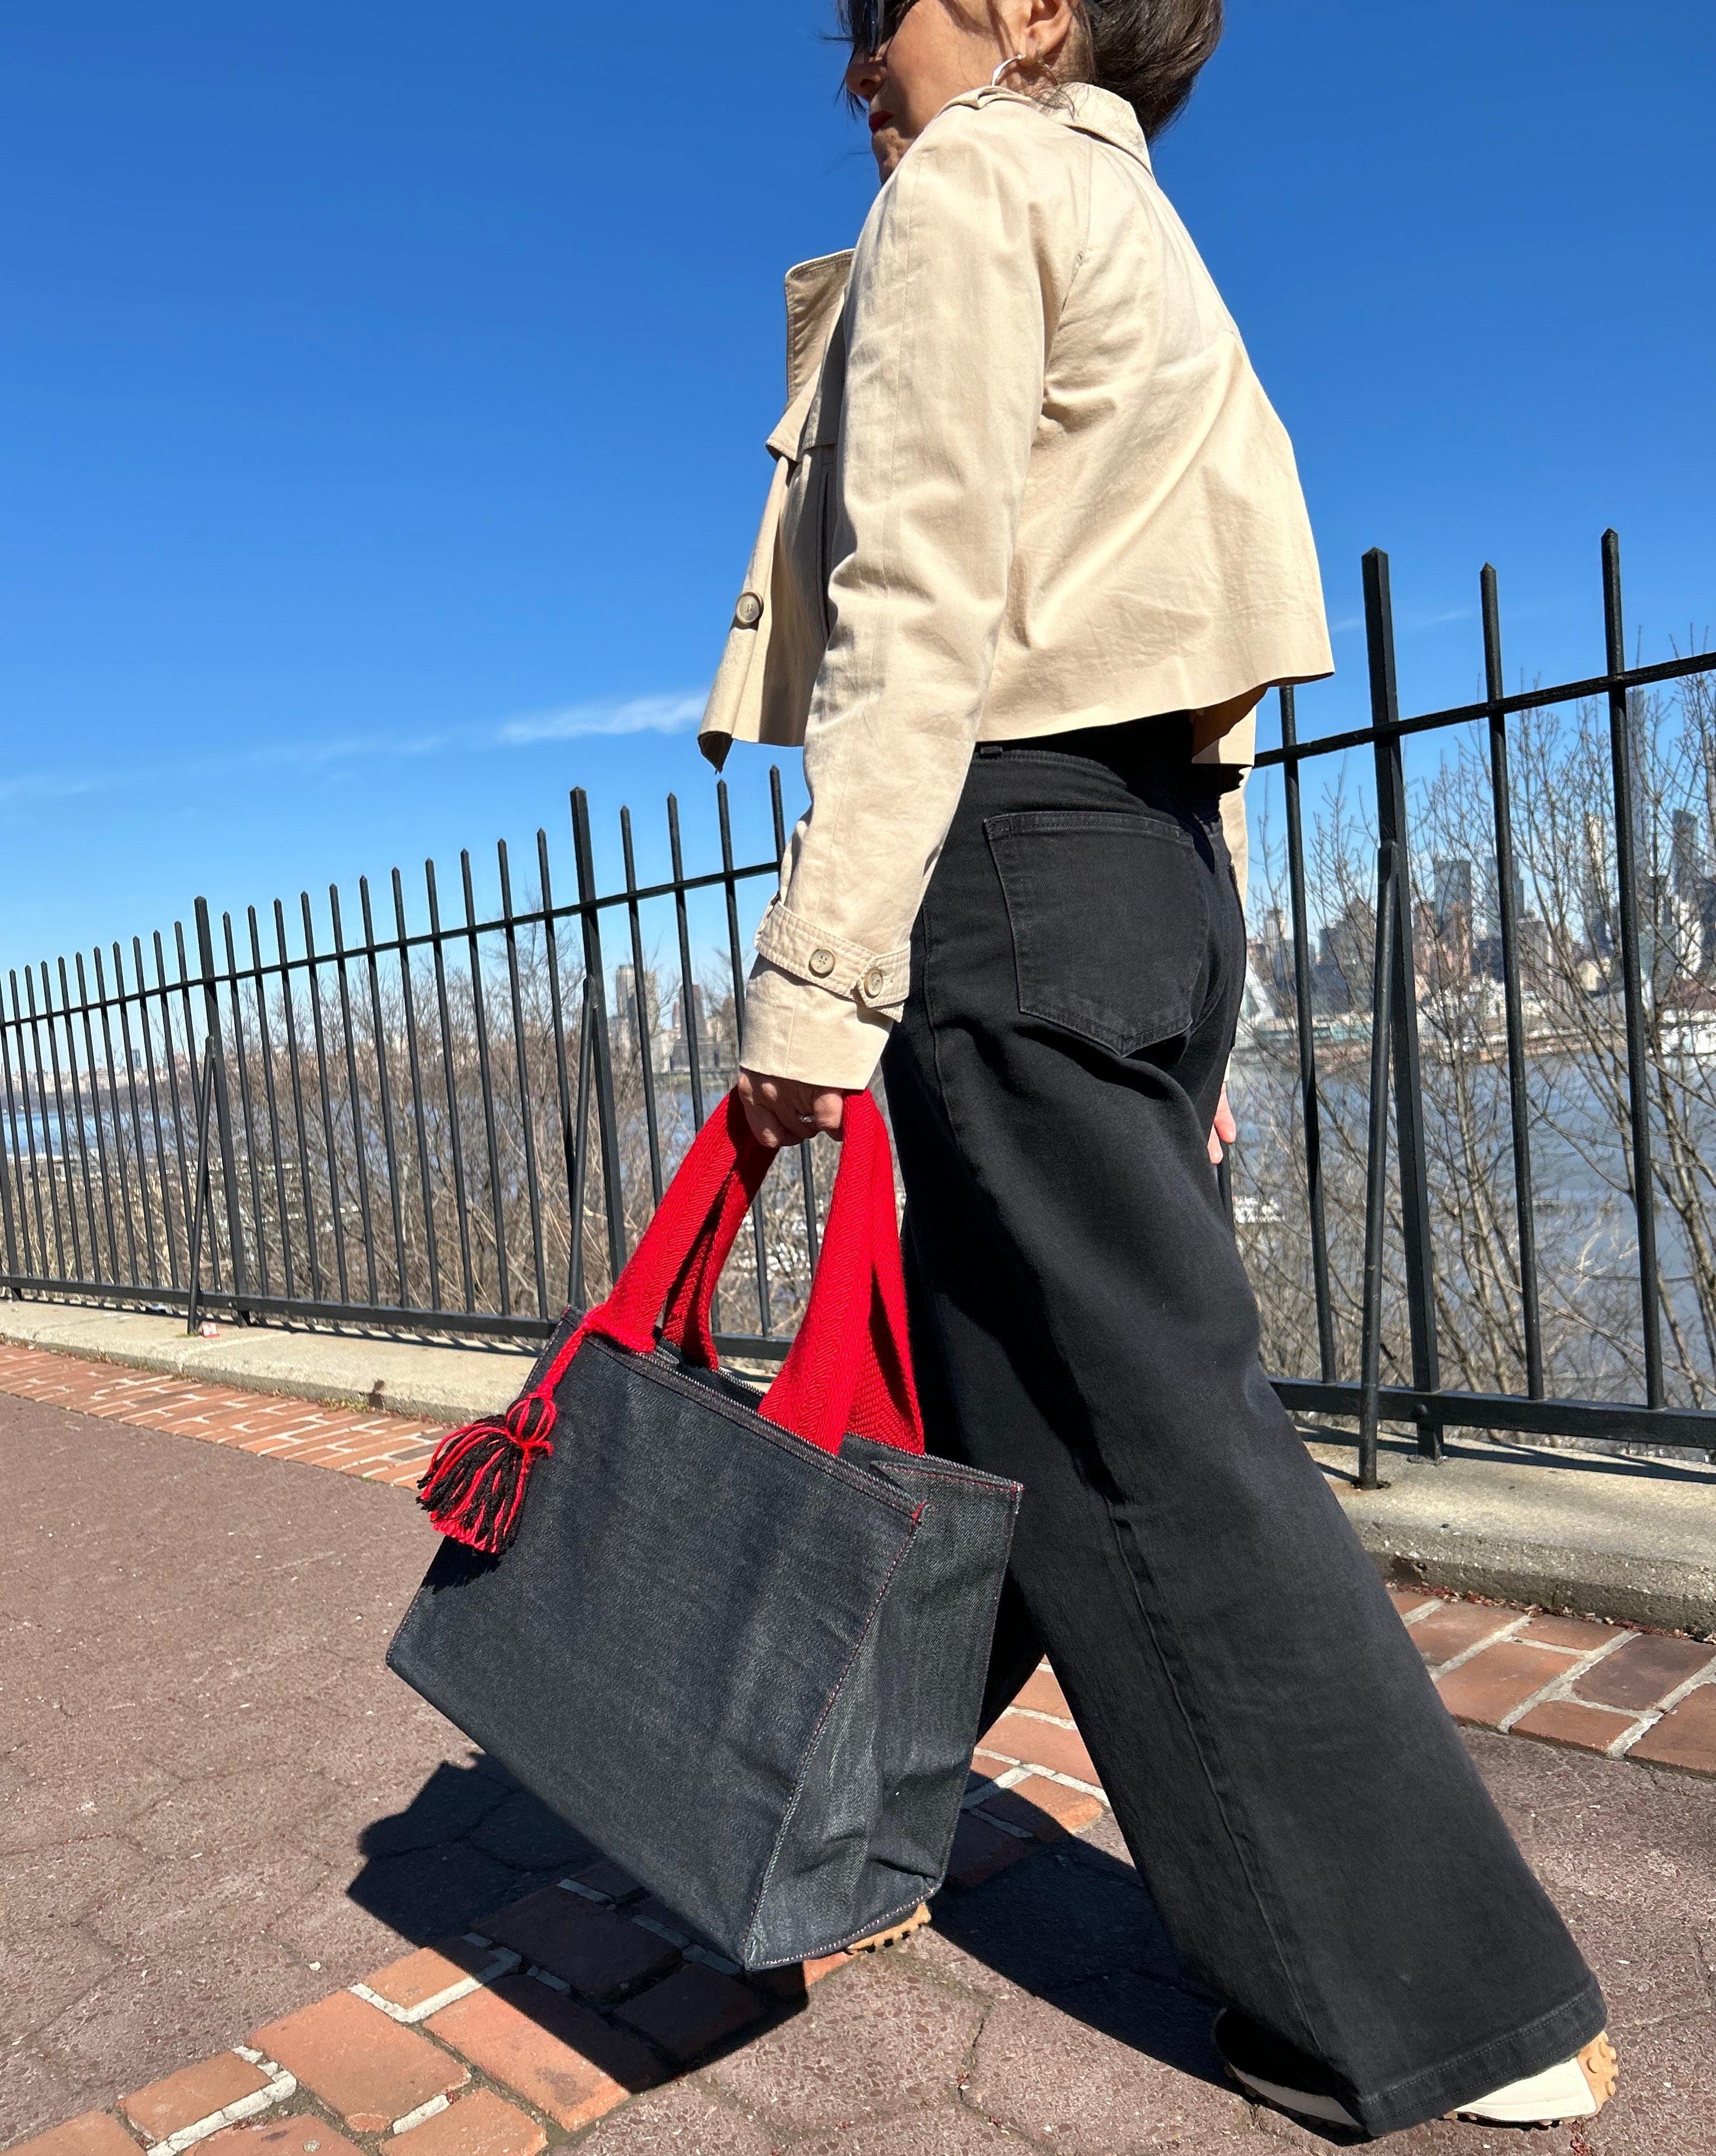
1033, 550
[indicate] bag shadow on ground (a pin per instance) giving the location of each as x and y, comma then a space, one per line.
468, 1843
1070, 1922
1073, 1924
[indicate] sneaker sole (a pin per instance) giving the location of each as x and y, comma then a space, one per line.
1578, 2088
894, 1934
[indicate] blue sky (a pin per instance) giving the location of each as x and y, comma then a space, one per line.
384, 389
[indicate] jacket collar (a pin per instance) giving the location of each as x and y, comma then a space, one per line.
1081, 106
815, 290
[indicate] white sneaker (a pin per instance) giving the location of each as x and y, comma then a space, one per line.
1267, 2064
1303, 2103
1576, 2088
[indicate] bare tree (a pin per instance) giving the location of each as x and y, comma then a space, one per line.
1580, 1129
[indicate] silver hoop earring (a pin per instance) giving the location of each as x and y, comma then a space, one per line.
1006, 68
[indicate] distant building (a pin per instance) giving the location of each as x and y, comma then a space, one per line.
1453, 896
627, 1012
688, 1033
1598, 924
1705, 901
1271, 954
1682, 913
1446, 924
1341, 979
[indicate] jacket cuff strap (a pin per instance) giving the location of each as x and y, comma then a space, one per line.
874, 980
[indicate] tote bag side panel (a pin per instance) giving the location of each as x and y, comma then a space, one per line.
939, 1628
653, 1653
869, 1835
568, 1324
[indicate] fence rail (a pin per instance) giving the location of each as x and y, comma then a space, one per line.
1395, 997
458, 1126
457, 1119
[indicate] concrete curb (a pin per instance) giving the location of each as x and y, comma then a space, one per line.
425, 1380
1633, 1540
1635, 1590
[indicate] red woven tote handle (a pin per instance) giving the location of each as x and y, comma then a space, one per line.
685, 1321
849, 1368
672, 1273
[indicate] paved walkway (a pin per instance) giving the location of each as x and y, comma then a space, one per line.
1631, 1539
410, 1374
220, 1811
370, 1443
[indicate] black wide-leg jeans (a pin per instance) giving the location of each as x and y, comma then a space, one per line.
1296, 1798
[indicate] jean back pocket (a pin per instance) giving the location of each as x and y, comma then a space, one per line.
1109, 919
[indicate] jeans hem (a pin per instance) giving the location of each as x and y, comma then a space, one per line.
1529, 2049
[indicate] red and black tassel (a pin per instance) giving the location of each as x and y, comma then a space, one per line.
473, 1489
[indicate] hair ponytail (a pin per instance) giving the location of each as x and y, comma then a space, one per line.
1149, 52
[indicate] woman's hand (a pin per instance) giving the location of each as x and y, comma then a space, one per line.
785, 1111
1224, 1130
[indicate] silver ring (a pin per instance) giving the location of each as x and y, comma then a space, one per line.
807, 1119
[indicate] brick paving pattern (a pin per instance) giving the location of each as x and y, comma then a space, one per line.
1044, 2009
375, 1447
1570, 1681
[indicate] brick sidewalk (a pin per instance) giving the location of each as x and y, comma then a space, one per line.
554, 2010
549, 2013
377, 1446
1606, 1688
1599, 1687
1045, 2012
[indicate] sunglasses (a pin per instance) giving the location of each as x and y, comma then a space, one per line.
870, 23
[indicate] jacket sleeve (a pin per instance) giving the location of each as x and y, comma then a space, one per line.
957, 287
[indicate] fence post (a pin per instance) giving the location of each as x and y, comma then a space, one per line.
216, 1062
607, 1124
1409, 1096
1376, 1163
199, 1207
1507, 914
1638, 1082
1305, 1017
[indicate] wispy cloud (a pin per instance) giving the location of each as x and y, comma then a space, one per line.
671, 712
1409, 627
317, 755
56, 785
639, 715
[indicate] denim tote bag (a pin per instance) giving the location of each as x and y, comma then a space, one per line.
738, 1640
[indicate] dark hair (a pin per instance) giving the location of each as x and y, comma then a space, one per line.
1146, 51
1149, 52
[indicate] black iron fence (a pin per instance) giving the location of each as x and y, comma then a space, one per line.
455, 1117
453, 1123
1644, 1026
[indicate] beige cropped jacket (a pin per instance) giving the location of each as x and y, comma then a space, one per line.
1026, 481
